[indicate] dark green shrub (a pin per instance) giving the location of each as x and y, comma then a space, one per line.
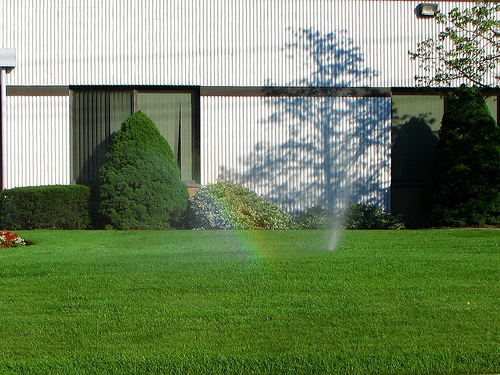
463, 188
46, 207
230, 206
368, 216
356, 216
140, 180
315, 217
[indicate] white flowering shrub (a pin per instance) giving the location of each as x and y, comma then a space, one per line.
226, 205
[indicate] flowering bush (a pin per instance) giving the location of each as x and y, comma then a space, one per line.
226, 205
8, 239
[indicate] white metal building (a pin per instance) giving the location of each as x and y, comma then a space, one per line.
296, 99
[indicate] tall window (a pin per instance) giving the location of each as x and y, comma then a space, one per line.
97, 113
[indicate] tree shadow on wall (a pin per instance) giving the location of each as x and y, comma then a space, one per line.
413, 151
337, 147
88, 174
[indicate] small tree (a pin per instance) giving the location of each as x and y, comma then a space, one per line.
464, 183
140, 181
467, 49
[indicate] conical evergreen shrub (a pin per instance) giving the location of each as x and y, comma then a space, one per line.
464, 184
140, 180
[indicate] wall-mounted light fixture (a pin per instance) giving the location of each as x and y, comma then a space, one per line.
7, 58
427, 10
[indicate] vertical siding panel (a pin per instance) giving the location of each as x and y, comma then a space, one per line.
206, 43
238, 124
36, 141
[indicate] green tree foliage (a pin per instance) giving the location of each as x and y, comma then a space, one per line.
140, 180
226, 205
468, 47
464, 184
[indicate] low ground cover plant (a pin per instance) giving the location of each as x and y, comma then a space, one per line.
45, 207
239, 302
226, 205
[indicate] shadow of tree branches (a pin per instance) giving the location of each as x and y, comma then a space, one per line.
337, 148
413, 150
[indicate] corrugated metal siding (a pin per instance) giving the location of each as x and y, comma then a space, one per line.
202, 42
36, 143
264, 144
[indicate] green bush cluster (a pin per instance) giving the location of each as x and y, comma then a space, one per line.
140, 180
215, 206
369, 216
315, 217
225, 205
464, 184
45, 207
356, 216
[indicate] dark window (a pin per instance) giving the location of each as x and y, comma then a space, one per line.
97, 113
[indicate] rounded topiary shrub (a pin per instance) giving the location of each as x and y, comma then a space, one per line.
226, 205
140, 180
464, 184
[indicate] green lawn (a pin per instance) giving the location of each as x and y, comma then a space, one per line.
385, 302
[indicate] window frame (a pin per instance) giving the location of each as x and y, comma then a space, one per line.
76, 175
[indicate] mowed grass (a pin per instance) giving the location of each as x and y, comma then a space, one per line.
132, 302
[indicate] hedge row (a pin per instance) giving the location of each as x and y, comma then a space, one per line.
46, 207
217, 206
226, 205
